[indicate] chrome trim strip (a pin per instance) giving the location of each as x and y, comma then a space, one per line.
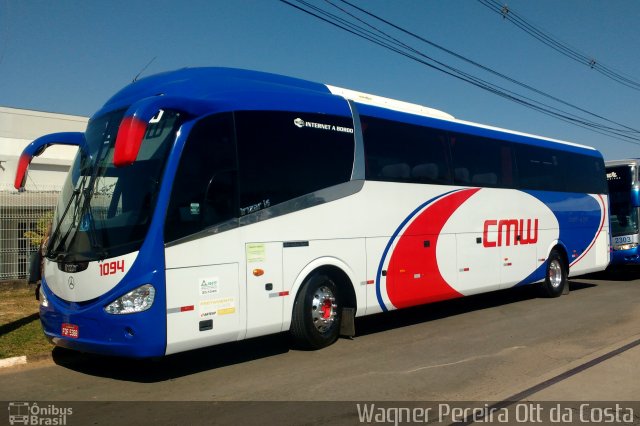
358, 172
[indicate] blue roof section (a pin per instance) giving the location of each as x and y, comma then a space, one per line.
455, 126
229, 86
230, 89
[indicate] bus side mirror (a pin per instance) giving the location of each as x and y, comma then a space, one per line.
39, 145
635, 197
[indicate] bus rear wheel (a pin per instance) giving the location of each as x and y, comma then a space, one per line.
317, 310
556, 277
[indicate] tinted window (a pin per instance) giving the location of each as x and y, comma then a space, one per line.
539, 168
105, 210
401, 152
204, 190
549, 170
620, 178
284, 155
585, 174
481, 162
624, 215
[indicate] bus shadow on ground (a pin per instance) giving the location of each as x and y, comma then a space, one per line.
172, 366
618, 273
418, 314
192, 362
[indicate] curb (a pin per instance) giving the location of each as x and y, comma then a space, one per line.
22, 360
12, 362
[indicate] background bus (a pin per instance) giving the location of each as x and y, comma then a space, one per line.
211, 205
624, 196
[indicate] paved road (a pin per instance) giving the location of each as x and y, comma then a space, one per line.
500, 346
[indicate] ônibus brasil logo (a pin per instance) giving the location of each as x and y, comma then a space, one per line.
27, 413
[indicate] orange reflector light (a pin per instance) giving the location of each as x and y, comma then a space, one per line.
258, 272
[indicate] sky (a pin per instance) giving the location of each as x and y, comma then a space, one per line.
70, 56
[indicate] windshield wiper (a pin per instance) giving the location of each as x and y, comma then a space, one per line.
52, 242
82, 205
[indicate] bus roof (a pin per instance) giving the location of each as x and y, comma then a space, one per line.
237, 88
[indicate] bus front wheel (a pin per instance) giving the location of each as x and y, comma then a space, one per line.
315, 323
556, 278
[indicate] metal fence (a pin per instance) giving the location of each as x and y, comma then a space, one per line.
23, 220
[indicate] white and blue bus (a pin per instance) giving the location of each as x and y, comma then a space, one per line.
211, 205
624, 196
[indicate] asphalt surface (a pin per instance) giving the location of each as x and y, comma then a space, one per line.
495, 350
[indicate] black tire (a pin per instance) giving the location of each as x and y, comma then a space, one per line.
556, 276
315, 322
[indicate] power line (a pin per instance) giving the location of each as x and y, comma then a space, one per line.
381, 38
5, 38
557, 45
487, 69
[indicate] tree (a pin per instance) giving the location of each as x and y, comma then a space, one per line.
35, 237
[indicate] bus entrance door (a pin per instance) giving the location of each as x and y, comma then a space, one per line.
203, 306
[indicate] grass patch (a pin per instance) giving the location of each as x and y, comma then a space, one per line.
20, 329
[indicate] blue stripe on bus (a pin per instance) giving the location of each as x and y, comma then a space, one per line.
578, 227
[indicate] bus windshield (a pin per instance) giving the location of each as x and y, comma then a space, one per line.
624, 217
105, 211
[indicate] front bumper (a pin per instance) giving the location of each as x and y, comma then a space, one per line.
139, 335
625, 257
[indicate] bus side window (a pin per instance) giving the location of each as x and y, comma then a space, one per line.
479, 161
585, 174
204, 190
539, 168
281, 159
401, 152
220, 197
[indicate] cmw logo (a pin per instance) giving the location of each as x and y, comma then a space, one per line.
516, 230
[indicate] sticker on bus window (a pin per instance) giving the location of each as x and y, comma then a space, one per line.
301, 124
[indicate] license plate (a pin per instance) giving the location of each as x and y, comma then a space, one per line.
70, 330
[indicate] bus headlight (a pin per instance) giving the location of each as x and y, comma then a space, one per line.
44, 302
137, 300
625, 246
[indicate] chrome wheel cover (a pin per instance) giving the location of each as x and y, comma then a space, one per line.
324, 309
555, 273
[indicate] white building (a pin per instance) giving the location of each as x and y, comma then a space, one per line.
20, 212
